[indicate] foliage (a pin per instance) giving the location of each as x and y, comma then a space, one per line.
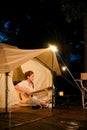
73, 9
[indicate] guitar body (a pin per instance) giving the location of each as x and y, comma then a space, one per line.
24, 97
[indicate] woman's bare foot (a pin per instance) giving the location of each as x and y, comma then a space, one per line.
44, 103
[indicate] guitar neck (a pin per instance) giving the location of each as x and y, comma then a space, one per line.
48, 88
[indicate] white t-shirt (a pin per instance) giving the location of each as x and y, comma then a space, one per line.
25, 85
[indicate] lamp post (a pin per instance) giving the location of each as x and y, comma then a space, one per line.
54, 49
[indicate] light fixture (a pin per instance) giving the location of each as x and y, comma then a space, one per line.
61, 93
53, 48
64, 68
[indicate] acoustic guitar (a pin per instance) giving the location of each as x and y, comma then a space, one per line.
24, 97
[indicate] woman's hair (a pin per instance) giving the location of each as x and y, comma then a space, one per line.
28, 73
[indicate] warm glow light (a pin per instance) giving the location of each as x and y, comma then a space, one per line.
53, 48
64, 68
61, 93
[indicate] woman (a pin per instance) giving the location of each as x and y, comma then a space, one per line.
26, 88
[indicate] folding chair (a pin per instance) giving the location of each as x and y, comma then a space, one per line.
83, 87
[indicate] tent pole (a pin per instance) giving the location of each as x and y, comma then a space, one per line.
53, 88
52, 84
6, 91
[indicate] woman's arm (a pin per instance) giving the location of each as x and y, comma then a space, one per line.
17, 87
25, 90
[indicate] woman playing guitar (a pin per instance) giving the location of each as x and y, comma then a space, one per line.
26, 88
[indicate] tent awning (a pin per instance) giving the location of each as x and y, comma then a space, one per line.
12, 57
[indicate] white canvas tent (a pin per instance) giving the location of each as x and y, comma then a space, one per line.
12, 58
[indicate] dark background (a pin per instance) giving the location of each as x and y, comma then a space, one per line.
43, 22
